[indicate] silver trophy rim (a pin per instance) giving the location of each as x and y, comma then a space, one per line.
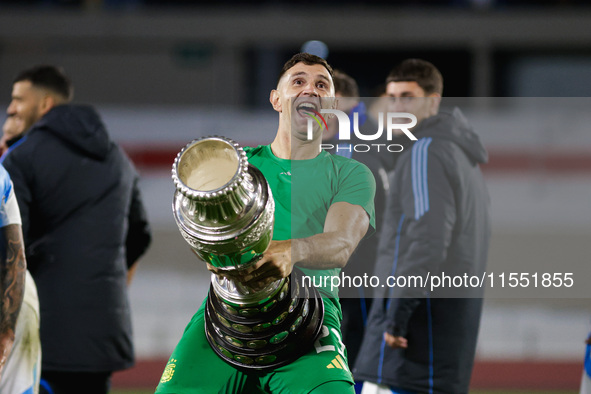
231, 185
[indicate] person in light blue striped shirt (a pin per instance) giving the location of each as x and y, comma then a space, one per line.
20, 346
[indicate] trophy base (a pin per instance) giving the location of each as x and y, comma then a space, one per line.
265, 336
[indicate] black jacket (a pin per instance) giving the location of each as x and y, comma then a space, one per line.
84, 224
437, 221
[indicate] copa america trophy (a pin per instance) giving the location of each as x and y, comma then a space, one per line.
224, 209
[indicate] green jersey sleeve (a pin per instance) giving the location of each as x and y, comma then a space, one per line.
357, 186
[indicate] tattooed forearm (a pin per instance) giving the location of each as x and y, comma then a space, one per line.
12, 278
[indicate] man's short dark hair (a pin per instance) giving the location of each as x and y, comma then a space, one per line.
425, 74
344, 84
48, 77
306, 58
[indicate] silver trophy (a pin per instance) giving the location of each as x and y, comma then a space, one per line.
224, 209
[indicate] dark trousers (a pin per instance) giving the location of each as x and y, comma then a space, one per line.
57, 382
355, 312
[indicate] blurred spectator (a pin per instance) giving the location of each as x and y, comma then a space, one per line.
436, 220
355, 306
586, 380
84, 227
20, 349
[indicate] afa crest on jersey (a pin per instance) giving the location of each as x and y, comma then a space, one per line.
168, 371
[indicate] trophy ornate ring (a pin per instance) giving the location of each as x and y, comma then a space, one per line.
224, 209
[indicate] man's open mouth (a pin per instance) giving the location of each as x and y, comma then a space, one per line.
307, 108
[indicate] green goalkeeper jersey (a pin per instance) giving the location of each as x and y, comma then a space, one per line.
304, 190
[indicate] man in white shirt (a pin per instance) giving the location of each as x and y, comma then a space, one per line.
20, 347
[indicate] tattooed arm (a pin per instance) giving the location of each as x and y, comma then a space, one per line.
12, 285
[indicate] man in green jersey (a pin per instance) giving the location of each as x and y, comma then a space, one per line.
323, 208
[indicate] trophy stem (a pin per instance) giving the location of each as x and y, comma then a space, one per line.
235, 293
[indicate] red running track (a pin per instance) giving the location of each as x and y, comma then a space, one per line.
515, 375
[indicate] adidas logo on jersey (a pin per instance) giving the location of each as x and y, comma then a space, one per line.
339, 363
